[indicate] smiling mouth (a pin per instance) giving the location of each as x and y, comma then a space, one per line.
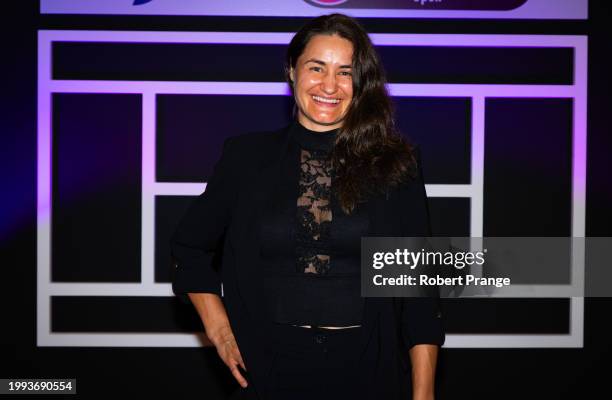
325, 100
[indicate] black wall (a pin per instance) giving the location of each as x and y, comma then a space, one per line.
185, 373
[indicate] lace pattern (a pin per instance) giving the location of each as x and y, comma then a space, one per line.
314, 213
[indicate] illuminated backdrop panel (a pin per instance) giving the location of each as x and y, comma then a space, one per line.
515, 9
125, 143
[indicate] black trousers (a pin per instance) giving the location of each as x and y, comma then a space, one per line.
313, 363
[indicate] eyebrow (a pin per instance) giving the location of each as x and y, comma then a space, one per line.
314, 60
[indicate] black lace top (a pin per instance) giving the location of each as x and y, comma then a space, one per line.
309, 247
314, 215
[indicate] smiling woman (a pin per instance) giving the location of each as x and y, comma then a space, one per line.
322, 82
286, 211
338, 82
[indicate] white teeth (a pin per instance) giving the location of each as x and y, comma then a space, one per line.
331, 101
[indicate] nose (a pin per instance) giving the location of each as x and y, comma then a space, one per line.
329, 85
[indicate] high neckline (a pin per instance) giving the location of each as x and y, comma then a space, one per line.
314, 140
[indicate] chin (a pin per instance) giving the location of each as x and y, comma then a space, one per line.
327, 119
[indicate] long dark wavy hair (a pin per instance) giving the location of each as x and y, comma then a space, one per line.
369, 155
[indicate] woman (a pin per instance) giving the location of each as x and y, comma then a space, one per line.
283, 214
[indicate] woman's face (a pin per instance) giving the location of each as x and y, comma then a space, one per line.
323, 85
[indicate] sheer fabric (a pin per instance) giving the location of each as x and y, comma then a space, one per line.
314, 214
310, 249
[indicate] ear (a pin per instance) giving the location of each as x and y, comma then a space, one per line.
292, 74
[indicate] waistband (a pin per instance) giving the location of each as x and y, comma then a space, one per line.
327, 327
316, 340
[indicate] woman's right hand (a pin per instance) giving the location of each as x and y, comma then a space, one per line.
227, 348
217, 327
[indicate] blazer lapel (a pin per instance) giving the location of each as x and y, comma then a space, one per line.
261, 183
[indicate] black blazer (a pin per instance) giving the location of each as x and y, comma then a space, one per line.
217, 242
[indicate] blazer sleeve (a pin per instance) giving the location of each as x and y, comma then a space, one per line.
197, 243
421, 317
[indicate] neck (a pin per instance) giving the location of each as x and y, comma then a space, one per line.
310, 139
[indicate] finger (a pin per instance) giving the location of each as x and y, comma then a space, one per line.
238, 357
238, 376
241, 362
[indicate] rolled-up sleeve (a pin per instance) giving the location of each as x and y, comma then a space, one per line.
421, 317
197, 243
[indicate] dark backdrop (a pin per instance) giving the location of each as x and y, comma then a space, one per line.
188, 372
